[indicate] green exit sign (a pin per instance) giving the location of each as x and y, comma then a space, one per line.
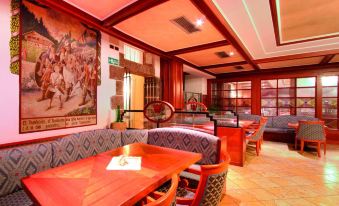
113, 61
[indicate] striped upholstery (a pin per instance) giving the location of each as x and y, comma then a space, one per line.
311, 132
187, 140
133, 136
21, 161
84, 144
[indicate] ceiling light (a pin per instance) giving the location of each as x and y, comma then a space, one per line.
199, 22
231, 53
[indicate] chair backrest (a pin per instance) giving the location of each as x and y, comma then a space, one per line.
167, 199
259, 132
311, 130
211, 184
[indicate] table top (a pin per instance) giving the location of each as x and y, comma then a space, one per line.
293, 125
87, 182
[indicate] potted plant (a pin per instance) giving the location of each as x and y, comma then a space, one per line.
118, 124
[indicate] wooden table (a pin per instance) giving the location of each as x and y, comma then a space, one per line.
293, 125
87, 182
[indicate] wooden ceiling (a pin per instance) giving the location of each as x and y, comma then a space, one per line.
217, 47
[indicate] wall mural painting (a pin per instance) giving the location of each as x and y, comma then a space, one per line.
58, 74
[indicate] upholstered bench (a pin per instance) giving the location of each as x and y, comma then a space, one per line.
277, 127
21, 161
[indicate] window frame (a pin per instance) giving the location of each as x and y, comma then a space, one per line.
293, 109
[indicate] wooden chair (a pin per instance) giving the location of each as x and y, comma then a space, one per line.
256, 136
164, 199
311, 131
209, 185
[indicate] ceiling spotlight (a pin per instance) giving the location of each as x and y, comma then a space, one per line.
199, 22
231, 53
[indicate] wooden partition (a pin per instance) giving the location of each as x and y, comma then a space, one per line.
236, 143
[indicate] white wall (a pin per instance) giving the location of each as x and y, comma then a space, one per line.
195, 84
9, 90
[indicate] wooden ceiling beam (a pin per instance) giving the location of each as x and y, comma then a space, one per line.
199, 47
296, 56
192, 65
130, 11
283, 69
224, 65
91, 21
327, 59
209, 14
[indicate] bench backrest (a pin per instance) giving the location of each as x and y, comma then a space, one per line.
21, 161
282, 121
187, 140
84, 144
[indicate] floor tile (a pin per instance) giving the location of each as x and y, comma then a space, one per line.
281, 176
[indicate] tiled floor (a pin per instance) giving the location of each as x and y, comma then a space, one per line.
282, 176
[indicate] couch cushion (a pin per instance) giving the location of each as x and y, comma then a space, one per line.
21, 161
282, 121
280, 130
84, 144
187, 140
269, 122
19, 198
252, 117
133, 136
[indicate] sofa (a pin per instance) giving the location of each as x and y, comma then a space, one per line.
277, 127
24, 160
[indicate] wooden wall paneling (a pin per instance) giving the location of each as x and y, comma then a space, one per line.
256, 96
318, 97
236, 144
172, 82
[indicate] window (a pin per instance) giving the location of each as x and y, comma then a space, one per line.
288, 96
235, 96
305, 103
133, 54
330, 100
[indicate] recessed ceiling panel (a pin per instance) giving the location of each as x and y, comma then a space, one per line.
218, 55
100, 9
304, 20
170, 26
221, 70
290, 63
